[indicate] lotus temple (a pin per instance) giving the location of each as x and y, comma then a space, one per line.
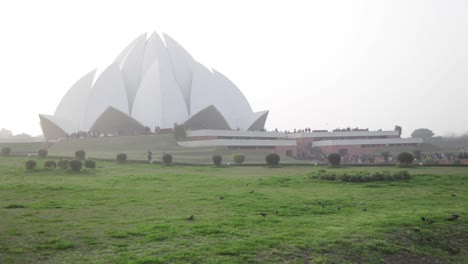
154, 84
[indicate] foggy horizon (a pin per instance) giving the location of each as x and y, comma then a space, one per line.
367, 64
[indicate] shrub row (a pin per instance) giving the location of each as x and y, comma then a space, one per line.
361, 176
238, 158
75, 165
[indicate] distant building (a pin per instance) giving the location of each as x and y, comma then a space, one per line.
343, 142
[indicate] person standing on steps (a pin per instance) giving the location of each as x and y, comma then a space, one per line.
149, 156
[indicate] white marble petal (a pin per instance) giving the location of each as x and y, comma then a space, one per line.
64, 124
130, 66
123, 54
159, 102
151, 52
246, 122
108, 90
182, 65
215, 89
235, 105
73, 104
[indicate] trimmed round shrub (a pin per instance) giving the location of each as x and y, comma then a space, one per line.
30, 164
334, 159
272, 159
121, 157
167, 159
238, 158
217, 159
80, 154
50, 164
90, 164
76, 165
63, 164
6, 151
405, 157
42, 153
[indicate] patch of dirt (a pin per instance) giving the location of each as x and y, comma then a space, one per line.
406, 257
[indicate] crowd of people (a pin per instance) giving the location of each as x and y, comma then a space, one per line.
445, 156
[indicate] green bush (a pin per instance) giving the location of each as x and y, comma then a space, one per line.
217, 159
361, 176
42, 153
30, 164
272, 159
90, 164
405, 157
238, 158
50, 164
167, 159
63, 164
121, 157
76, 165
6, 151
334, 159
80, 154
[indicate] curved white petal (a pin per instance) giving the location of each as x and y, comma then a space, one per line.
215, 89
255, 121
153, 45
52, 125
123, 54
181, 63
73, 104
159, 102
108, 90
236, 103
208, 118
130, 66
112, 120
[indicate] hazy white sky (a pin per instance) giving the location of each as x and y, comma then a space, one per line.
319, 64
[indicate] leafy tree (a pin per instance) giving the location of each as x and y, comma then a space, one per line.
42, 153
6, 151
90, 164
5, 133
80, 154
121, 157
272, 159
76, 165
238, 158
167, 159
422, 133
30, 164
405, 158
399, 129
179, 132
334, 159
217, 159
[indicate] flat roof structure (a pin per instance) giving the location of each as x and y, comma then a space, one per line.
388, 133
378, 141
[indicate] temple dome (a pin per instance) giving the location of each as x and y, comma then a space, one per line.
152, 83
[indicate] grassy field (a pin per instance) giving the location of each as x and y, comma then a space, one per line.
138, 213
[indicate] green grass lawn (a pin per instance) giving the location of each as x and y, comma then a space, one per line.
137, 213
